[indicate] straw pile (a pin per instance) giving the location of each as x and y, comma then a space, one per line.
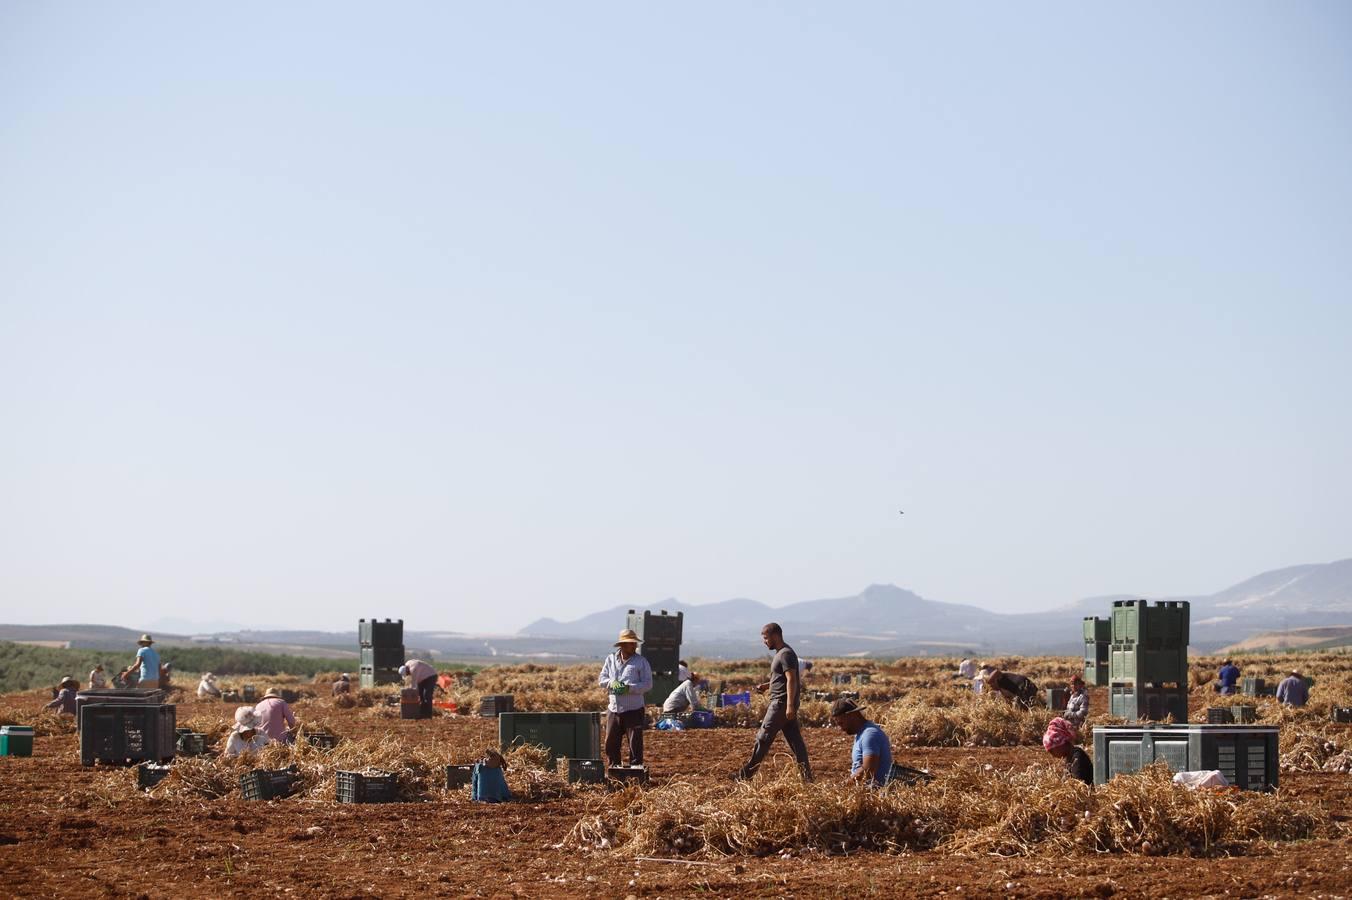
979, 721
972, 810
44, 722
1313, 750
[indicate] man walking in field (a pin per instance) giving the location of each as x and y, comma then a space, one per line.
781, 715
626, 676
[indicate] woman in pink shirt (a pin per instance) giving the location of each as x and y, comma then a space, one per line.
275, 718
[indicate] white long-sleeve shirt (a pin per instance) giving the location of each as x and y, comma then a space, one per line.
683, 698
237, 745
634, 672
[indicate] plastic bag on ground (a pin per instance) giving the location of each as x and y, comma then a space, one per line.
1203, 779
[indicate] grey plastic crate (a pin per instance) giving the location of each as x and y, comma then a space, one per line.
1135, 702
1245, 754
628, 774
1097, 630
584, 771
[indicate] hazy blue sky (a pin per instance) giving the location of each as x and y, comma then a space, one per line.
475, 313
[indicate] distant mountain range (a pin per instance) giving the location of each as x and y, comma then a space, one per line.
888, 620
883, 620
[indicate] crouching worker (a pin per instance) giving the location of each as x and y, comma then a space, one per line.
1059, 741
343, 685
684, 699
207, 688
65, 696
871, 758
424, 678
275, 718
488, 779
245, 737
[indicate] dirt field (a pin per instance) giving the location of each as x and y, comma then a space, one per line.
68, 831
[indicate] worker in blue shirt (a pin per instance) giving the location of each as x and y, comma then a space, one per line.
871, 758
147, 663
1229, 677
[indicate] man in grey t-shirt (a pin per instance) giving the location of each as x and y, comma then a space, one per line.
781, 715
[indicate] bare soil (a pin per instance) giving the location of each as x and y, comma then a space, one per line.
55, 841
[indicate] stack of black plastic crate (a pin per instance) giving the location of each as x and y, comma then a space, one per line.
661, 647
382, 651
1148, 660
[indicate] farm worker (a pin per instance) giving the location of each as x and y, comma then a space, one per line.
98, 680
147, 664
1059, 741
871, 758
275, 717
782, 712
685, 697
1015, 688
207, 687
966, 670
626, 676
424, 678
166, 670
1077, 707
1229, 677
682, 671
343, 685
245, 737
65, 696
804, 667
979, 682
1293, 691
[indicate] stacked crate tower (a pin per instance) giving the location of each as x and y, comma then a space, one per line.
1097, 640
661, 647
1148, 660
382, 651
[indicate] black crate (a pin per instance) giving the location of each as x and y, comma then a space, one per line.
494, 705
1219, 715
1057, 698
322, 740
126, 734
250, 693
383, 657
231, 697
1342, 714
628, 774
269, 784
459, 775
367, 787
864, 678
906, 775
191, 743
1244, 715
584, 771
375, 633
290, 696
117, 697
657, 628
149, 774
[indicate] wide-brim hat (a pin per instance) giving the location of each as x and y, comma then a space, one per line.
145, 639
245, 714
272, 692
628, 636
241, 727
67, 679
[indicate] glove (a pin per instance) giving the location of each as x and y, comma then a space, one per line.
619, 687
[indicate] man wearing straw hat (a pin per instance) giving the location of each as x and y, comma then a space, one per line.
147, 663
781, 715
275, 718
626, 676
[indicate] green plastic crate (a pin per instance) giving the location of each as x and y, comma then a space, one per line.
1245, 754
16, 740
1159, 625
375, 633
1134, 662
575, 735
1097, 630
1096, 674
